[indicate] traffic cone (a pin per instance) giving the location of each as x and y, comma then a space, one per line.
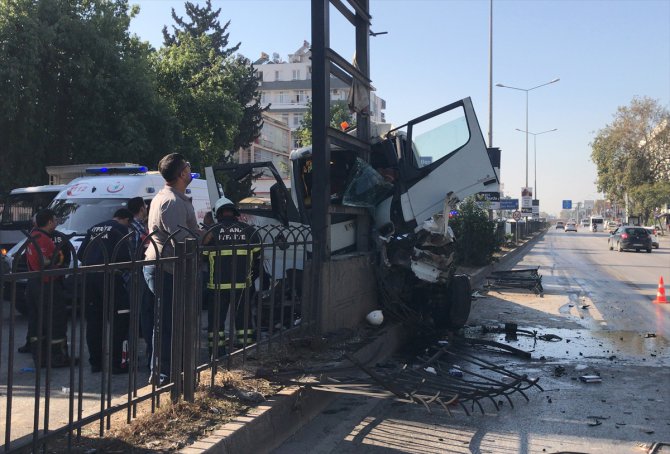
660, 294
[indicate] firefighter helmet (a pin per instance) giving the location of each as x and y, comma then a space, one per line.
224, 202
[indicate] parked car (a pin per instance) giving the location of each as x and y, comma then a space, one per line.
560, 225
570, 227
611, 227
628, 237
654, 238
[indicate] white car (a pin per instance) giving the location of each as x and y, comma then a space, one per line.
654, 238
570, 227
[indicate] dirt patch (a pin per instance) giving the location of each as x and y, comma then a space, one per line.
173, 426
170, 427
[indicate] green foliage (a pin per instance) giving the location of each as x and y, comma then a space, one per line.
212, 94
75, 87
475, 234
339, 112
647, 197
632, 155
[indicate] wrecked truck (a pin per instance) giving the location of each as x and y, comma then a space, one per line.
416, 174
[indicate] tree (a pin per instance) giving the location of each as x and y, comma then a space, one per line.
474, 232
632, 154
213, 94
339, 112
75, 87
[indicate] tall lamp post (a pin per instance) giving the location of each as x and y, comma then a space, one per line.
535, 134
528, 90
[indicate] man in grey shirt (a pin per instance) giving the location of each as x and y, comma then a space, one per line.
170, 211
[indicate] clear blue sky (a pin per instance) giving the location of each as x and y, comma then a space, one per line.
437, 51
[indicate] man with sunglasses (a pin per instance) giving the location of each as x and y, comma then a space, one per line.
170, 210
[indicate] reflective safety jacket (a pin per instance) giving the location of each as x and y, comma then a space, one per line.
236, 256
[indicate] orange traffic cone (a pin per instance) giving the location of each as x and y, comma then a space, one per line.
660, 294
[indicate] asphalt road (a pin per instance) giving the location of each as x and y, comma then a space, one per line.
599, 302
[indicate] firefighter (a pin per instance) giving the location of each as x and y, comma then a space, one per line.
111, 233
236, 257
42, 254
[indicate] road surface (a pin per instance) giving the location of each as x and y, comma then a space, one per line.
600, 303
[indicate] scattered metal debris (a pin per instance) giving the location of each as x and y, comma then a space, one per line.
527, 278
478, 380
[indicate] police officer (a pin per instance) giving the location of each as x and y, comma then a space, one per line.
233, 266
97, 248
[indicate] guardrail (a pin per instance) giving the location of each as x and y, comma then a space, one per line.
38, 404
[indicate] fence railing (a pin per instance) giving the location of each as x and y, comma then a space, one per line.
214, 299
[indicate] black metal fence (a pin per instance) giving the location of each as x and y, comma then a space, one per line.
213, 300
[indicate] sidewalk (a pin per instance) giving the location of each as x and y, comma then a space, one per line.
268, 425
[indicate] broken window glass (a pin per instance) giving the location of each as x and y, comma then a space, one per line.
366, 188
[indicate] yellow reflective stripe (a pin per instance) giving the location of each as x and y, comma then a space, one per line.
226, 252
238, 286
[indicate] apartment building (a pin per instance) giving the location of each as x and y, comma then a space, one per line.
287, 86
274, 144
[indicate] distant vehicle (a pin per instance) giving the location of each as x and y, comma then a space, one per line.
597, 224
560, 225
628, 237
654, 238
570, 227
612, 226
18, 210
585, 222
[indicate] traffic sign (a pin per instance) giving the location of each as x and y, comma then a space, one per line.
516, 215
567, 204
509, 204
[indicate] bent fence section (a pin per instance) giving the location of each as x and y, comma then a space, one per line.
214, 300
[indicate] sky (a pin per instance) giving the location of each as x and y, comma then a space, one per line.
605, 52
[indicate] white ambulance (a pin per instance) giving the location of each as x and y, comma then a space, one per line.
93, 199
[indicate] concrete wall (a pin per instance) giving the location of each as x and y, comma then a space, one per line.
350, 291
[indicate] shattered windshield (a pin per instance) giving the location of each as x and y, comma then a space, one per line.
438, 136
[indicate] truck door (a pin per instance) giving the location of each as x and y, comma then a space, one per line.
443, 153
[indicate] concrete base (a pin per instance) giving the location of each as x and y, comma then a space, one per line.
349, 291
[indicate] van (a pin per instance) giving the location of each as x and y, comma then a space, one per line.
597, 224
92, 199
18, 210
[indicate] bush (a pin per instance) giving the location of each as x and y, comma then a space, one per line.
475, 234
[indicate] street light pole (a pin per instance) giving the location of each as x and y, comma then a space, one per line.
535, 134
528, 90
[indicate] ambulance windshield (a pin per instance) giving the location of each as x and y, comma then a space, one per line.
79, 215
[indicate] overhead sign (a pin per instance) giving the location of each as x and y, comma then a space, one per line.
492, 199
567, 204
516, 215
509, 204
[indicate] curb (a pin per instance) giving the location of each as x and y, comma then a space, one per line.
266, 426
478, 278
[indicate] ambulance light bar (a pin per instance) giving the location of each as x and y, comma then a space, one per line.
116, 170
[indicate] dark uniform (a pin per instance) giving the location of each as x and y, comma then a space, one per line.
110, 232
233, 266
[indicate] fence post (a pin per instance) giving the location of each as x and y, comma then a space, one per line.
191, 317
177, 353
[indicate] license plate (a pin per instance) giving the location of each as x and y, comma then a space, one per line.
638, 245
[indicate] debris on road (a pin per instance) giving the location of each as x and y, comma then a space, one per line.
435, 381
527, 278
591, 379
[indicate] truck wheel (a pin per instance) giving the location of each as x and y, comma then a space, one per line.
454, 312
